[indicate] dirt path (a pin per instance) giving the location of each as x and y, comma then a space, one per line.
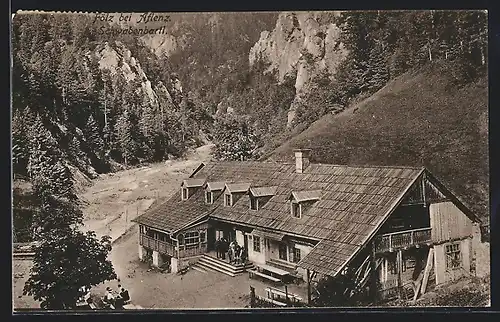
115, 199
152, 289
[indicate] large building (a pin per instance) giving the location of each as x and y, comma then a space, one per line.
316, 220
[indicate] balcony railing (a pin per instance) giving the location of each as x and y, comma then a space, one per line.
157, 245
401, 239
192, 250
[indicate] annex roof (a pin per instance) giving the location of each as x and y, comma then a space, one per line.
216, 186
263, 191
193, 183
237, 187
301, 196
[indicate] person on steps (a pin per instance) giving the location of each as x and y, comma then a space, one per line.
218, 248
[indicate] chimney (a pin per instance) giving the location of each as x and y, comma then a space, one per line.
301, 159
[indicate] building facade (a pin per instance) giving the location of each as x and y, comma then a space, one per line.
387, 225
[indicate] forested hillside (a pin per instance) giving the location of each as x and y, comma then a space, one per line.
415, 86
101, 99
247, 82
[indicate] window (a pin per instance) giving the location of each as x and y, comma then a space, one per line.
296, 255
180, 238
162, 237
202, 237
453, 256
254, 203
192, 238
228, 200
184, 193
282, 250
296, 210
141, 229
209, 197
256, 244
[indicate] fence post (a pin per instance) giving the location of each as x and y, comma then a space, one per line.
252, 296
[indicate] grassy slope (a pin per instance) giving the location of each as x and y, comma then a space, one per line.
417, 118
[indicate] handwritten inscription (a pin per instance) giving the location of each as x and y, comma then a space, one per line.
143, 19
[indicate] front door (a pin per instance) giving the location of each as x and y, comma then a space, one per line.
230, 235
245, 241
283, 252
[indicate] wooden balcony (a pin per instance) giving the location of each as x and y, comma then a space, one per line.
157, 245
192, 250
402, 239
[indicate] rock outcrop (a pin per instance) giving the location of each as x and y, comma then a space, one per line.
117, 58
301, 46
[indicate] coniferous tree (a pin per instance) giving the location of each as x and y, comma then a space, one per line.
124, 134
94, 138
234, 139
78, 157
149, 131
42, 147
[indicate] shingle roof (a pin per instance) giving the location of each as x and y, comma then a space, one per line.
354, 201
301, 196
215, 186
263, 191
268, 233
237, 187
193, 183
175, 213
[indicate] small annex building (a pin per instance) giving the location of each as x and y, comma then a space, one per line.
317, 220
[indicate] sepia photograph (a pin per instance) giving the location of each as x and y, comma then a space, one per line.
249, 160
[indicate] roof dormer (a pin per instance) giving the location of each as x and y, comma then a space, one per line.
210, 188
233, 191
188, 186
301, 200
259, 196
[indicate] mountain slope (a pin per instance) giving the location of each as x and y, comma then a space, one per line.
418, 118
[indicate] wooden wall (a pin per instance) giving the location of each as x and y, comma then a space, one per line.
304, 250
448, 222
443, 274
256, 257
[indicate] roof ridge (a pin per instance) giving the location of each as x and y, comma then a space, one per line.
371, 166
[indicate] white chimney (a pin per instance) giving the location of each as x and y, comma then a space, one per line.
301, 159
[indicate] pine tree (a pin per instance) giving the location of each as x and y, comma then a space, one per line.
94, 138
379, 73
234, 139
78, 157
42, 147
20, 143
124, 134
149, 130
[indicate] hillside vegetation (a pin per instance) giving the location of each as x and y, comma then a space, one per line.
419, 118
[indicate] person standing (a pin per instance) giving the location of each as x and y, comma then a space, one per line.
224, 247
237, 251
124, 295
243, 255
218, 247
231, 252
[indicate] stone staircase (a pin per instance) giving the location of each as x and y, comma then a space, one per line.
209, 263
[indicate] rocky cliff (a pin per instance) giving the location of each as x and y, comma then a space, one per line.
116, 57
302, 46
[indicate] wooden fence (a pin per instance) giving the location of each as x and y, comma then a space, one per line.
257, 301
